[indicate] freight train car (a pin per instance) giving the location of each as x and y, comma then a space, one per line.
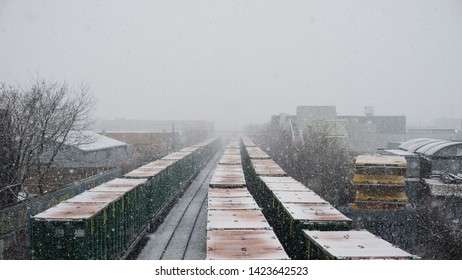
236, 227
302, 220
350, 245
96, 224
289, 205
104, 222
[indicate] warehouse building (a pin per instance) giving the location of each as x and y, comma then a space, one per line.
90, 149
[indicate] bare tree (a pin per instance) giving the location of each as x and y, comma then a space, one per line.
321, 162
36, 124
438, 225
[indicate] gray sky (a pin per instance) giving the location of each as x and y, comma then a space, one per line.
238, 62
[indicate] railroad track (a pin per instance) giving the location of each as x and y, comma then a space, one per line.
182, 233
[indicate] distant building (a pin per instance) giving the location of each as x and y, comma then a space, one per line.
445, 123
89, 149
366, 133
307, 114
124, 125
378, 124
436, 155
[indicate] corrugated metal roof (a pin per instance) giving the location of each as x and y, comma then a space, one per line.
355, 245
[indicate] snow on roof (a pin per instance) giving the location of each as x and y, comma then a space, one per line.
401, 153
91, 141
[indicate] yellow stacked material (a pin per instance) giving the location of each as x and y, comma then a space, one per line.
383, 196
379, 182
378, 160
360, 179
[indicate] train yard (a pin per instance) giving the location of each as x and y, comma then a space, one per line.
239, 205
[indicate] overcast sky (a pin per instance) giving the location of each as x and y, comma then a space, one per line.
238, 62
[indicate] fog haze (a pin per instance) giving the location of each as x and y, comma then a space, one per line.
238, 62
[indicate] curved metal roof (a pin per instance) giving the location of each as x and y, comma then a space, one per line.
407, 144
437, 149
429, 147
423, 149
414, 148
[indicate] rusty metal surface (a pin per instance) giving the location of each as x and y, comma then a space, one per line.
294, 186
118, 185
257, 153
245, 244
355, 245
267, 167
96, 197
235, 192
188, 149
71, 211
230, 159
269, 179
221, 182
314, 212
232, 203
236, 220
122, 182
264, 162
177, 155
229, 169
162, 163
204, 143
144, 172
233, 145
228, 175
230, 151
268, 171
248, 142
298, 197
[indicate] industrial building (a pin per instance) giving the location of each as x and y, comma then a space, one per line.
90, 149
